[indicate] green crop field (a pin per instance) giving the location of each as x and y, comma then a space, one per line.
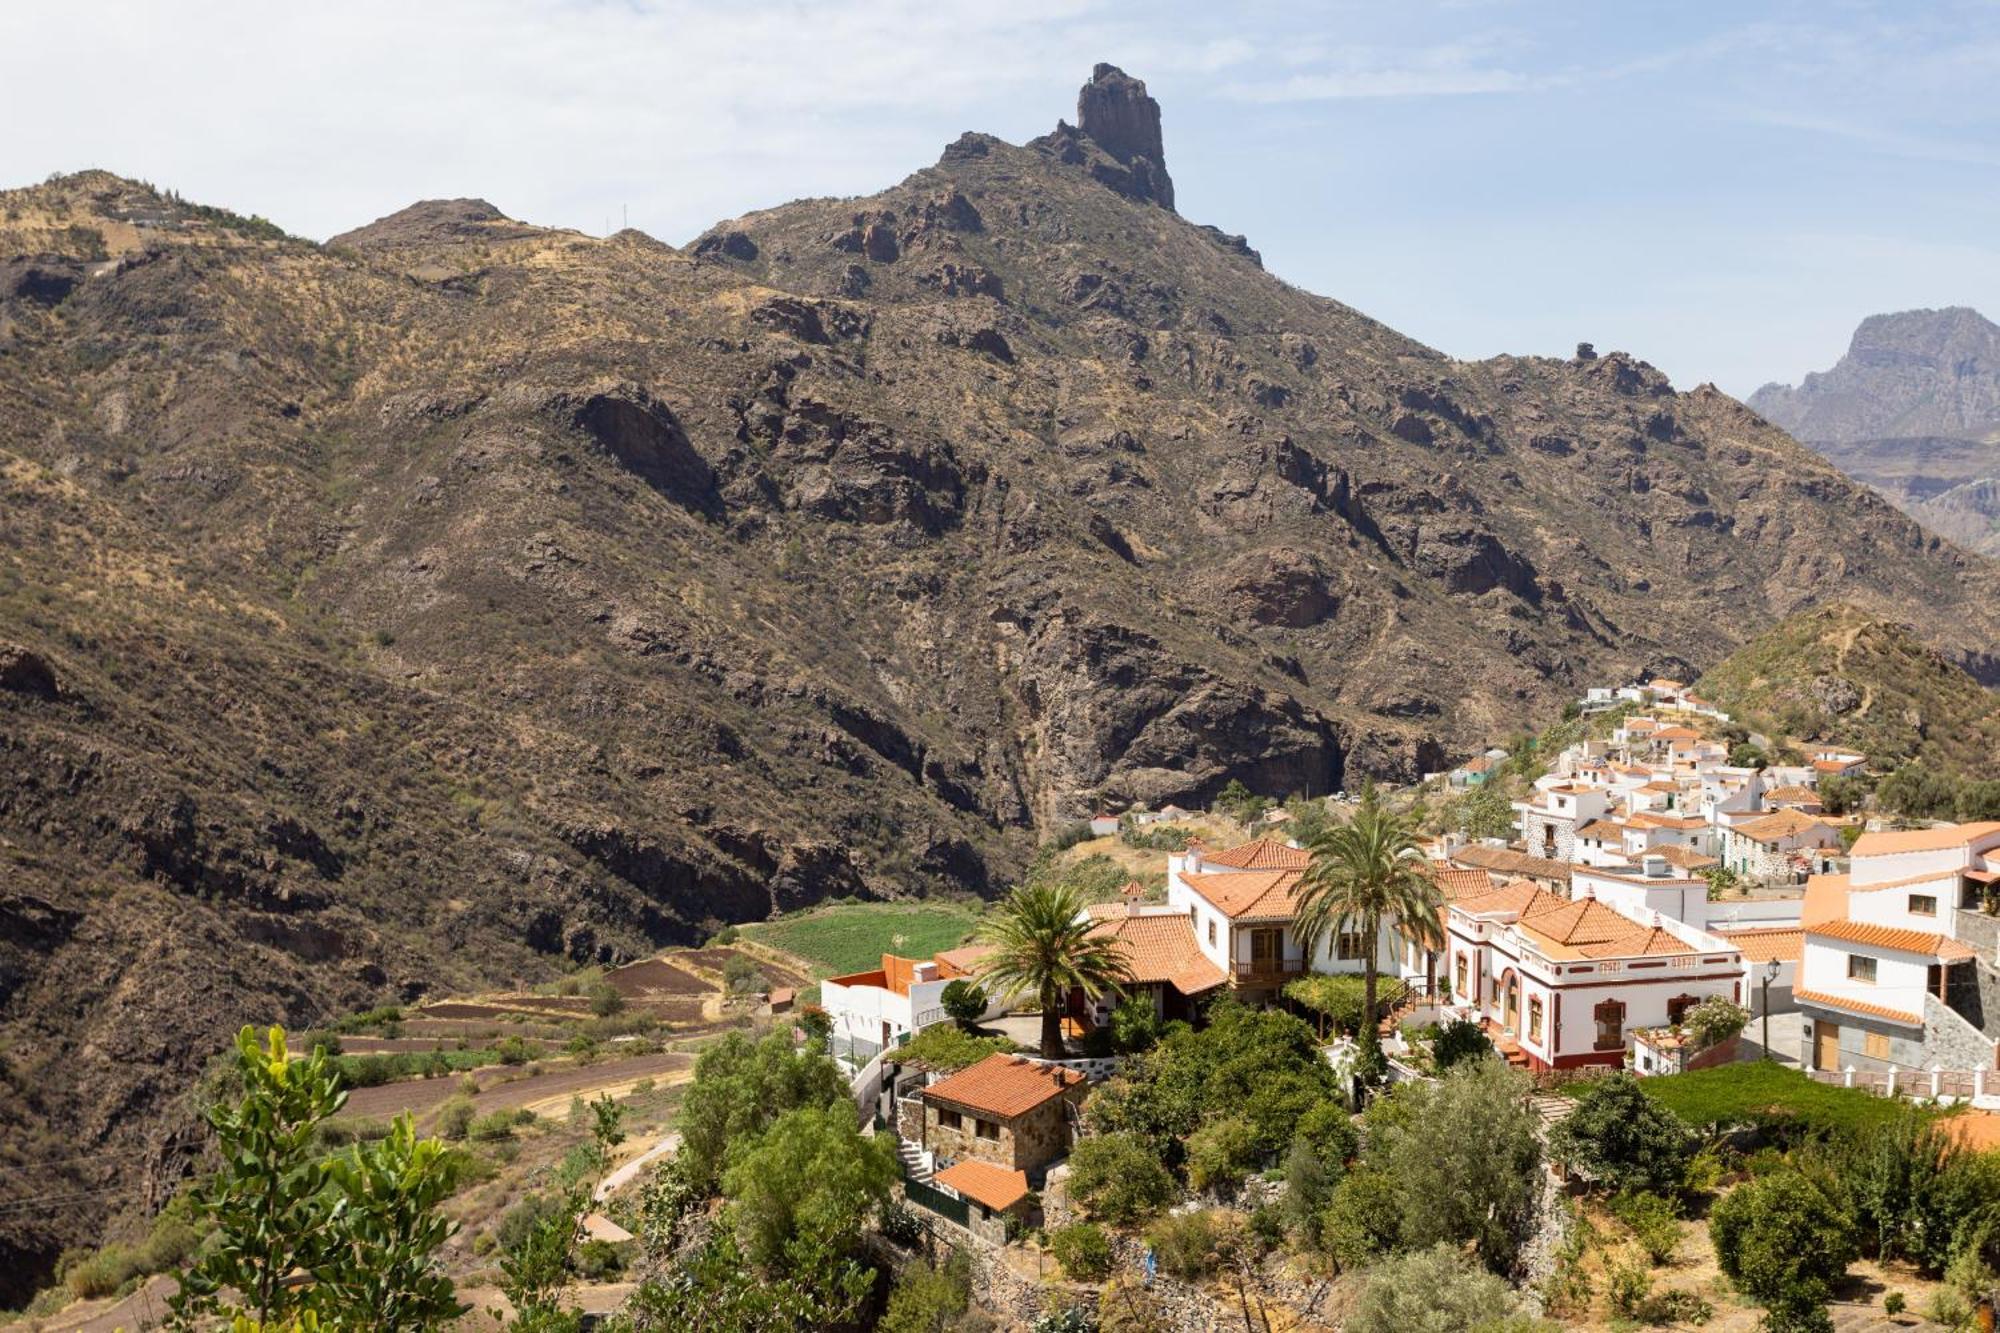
852, 937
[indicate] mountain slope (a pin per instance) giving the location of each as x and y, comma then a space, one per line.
1912, 409
1844, 676
464, 596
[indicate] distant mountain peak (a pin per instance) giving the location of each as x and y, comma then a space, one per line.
1909, 374
433, 222
1117, 118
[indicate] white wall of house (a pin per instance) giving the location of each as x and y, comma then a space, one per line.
1901, 906
859, 1013
1900, 978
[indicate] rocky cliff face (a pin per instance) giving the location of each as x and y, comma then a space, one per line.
1913, 409
465, 596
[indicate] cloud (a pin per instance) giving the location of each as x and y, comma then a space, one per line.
1456, 70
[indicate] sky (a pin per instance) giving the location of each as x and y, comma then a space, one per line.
1724, 189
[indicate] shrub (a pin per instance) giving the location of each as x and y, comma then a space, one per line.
489, 1128
741, 975
1627, 1283
1782, 1240
964, 1000
946, 1046
1894, 1303
1460, 1039
1189, 1245
1436, 1290
513, 1051
455, 1117
725, 937
1116, 1178
520, 1221
605, 1000
901, 1225
1714, 1020
1363, 1221
1220, 1153
1134, 1025
1622, 1138
1653, 1221
929, 1300
1083, 1250
1947, 1308
1329, 1132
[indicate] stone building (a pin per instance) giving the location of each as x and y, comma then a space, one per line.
1006, 1110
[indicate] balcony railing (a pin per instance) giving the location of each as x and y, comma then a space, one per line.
1270, 969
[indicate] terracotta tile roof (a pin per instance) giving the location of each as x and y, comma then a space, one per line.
1764, 943
1861, 1007
1835, 765
1003, 1086
1161, 949
963, 961
1676, 734
1455, 883
1890, 937
1586, 928
1792, 792
1507, 861
1923, 840
1783, 824
1514, 898
983, 1182
1259, 854
1649, 819
1249, 894
1687, 858
1601, 828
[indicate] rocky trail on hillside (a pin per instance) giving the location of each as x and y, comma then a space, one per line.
462, 598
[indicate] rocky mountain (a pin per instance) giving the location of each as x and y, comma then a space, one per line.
1913, 409
1845, 676
462, 597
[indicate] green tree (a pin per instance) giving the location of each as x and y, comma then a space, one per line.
740, 1087
1458, 1040
807, 1185
714, 1290
1336, 1002
945, 1048
267, 1202
1783, 1242
929, 1300
1623, 1139
1450, 1185
1116, 1178
1363, 873
1221, 1153
1083, 1250
1044, 944
388, 1231
364, 1224
964, 1001
1135, 1027
1434, 1290
1840, 795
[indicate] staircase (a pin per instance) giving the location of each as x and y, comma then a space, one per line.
917, 1164
1550, 1109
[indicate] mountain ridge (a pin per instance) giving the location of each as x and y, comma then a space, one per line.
466, 599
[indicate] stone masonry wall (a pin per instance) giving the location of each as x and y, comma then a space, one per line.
1952, 1043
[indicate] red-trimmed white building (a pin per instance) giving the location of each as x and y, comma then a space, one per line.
1561, 982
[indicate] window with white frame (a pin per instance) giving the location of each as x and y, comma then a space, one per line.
1350, 947
1860, 967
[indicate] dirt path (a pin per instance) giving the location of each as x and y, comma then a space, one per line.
145, 1308
625, 1174
545, 1093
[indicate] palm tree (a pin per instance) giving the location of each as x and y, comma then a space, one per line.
1043, 945
1362, 872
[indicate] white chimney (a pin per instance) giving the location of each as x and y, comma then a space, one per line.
1655, 867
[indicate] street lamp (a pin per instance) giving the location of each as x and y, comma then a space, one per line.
1770, 975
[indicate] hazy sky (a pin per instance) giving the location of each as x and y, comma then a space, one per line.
1722, 188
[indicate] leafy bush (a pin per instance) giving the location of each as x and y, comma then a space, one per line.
1363, 1221
1083, 1250
1621, 1138
1654, 1221
1189, 1245
1135, 1026
1714, 1020
1116, 1178
1336, 1002
605, 1000
1220, 1154
513, 1051
728, 935
900, 1225
455, 1118
929, 1300
1329, 1131
490, 1128
740, 974
964, 1000
1782, 1240
1435, 1290
1894, 1303
1460, 1039
946, 1047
